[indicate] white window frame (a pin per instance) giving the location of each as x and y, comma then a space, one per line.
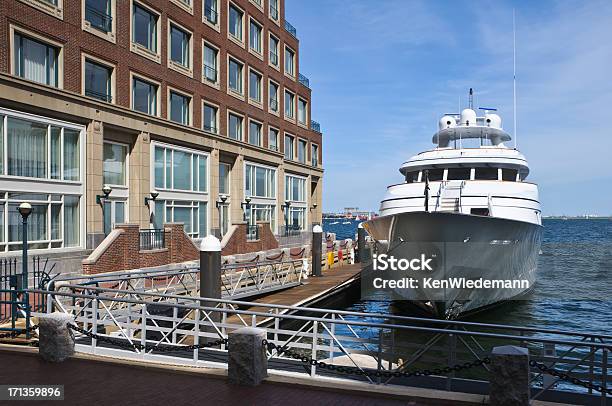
277, 19
121, 191
259, 199
133, 76
278, 133
183, 5
217, 25
205, 80
262, 47
112, 66
261, 133
86, 25
230, 91
293, 107
278, 91
171, 89
185, 70
242, 132
179, 194
240, 42
305, 123
293, 75
22, 184
278, 46
312, 144
13, 29
217, 116
137, 48
55, 11
293, 154
297, 155
258, 103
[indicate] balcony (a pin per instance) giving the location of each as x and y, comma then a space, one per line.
314, 126
304, 80
290, 29
152, 239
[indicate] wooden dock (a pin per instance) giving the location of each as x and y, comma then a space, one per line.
313, 290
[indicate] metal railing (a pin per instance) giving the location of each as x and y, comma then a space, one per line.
273, 104
152, 239
252, 232
372, 347
290, 29
99, 20
315, 126
304, 80
291, 230
210, 73
273, 58
210, 128
98, 95
210, 14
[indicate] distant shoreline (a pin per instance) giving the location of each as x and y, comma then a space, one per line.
577, 217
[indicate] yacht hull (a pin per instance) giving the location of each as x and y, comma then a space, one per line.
465, 248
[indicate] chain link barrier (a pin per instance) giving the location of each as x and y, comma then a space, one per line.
568, 378
147, 347
282, 350
17, 333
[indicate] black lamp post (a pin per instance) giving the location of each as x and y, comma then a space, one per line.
246, 205
287, 205
106, 189
25, 209
220, 203
148, 199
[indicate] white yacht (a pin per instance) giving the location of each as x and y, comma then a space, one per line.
467, 204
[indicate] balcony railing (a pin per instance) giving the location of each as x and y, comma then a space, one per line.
273, 58
304, 80
314, 126
210, 73
101, 96
273, 105
252, 232
211, 15
210, 128
290, 29
99, 20
152, 239
292, 230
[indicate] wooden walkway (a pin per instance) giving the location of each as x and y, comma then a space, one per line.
311, 291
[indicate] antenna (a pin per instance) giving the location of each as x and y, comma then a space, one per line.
471, 99
514, 74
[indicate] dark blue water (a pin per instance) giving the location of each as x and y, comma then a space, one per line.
574, 281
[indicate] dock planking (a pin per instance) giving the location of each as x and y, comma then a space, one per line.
314, 289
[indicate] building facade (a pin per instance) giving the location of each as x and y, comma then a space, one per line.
198, 103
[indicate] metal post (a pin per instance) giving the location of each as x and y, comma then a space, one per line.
317, 241
25, 209
210, 278
360, 243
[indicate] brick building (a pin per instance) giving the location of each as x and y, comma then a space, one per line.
197, 102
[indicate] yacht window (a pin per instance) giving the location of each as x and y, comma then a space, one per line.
412, 177
509, 175
479, 211
458, 174
486, 174
436, 174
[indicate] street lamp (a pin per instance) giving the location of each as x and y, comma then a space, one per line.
220, 203
246, 205
154, 195
25, 209
106, 189
287, 205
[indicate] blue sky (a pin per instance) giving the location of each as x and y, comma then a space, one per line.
383, 72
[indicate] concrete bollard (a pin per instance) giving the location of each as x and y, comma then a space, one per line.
360, 243
55, 339
317, 240
509, 376
248, 363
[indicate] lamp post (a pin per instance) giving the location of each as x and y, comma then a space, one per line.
287, 205
220, 203
106, 190
148, 199
246, 205
25, 209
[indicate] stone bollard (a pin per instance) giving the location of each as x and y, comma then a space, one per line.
248, 363
509, 376
56, 340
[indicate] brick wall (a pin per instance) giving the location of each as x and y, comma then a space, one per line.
238, 244
121, 250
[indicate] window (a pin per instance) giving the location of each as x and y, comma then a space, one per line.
51, 7
302, 111
273, 45
297, 218
274, 9
235, 76
509, 175
144, 96
260, 181
295, 189
412, 177
435, 174
179, 107
262, 212
35, 60
314, 154
224, 180
301, 151
144, 28
115, 164
273, 96
98, 80
180, 41
210, 56
211, 118
255, 42
486, 174
211, 13
234, 130
458, 174
192, 213
186, 5
178, 169
289, 61
254, 86
255, 133
289, 140
235, 22
98, 15
273, 139
289, 104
